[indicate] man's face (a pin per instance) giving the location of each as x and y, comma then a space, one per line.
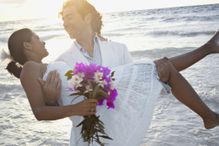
73, 22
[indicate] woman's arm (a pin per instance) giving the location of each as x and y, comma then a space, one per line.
29, 80
86, 107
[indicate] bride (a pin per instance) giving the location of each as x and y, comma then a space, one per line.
137, 83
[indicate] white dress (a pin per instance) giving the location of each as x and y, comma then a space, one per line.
138, 88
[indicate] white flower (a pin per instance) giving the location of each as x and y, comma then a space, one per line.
98, 76
88, 89
81, 75
75, 82
102, 83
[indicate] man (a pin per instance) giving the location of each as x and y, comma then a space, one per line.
83, 23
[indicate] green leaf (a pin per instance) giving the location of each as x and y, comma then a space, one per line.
73, 94
106, 137
102, 93
112, 74
80, 124
69, 74
75, 97
93, 130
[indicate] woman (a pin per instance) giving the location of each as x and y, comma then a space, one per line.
127, 124
24, 46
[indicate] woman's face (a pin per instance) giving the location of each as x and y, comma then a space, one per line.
37, 47
73, 23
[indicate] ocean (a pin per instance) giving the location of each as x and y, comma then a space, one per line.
147, 33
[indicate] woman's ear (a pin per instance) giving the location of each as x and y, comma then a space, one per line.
27, 45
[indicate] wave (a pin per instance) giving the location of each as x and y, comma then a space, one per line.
3, 39
6, 30
182, 14
124, 29
179, 33
48, 37
191, 18
47, 28
113, 34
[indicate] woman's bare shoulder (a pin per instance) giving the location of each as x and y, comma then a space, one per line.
31, 69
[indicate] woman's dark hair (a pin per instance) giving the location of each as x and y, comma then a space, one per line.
84, 8
16, 49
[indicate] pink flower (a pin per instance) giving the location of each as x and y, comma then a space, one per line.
95, 75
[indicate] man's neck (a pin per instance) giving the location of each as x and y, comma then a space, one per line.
87, 42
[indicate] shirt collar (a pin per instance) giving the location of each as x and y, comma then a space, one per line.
95, 40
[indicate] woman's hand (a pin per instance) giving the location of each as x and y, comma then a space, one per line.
51, 88
85, 107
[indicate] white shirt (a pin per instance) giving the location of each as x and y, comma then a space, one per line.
96, 57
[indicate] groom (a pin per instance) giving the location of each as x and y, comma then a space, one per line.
83, 23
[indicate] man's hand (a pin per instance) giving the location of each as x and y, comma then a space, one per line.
51, 88
163, 69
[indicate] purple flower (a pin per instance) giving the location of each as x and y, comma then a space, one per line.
112, 98
100, 102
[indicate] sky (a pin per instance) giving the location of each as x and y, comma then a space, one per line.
26, 9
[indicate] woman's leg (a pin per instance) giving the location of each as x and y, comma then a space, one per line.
181, 62
183, 91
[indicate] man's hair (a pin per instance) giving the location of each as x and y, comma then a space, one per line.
84, 7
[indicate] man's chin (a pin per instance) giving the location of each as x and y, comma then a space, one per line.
71, 36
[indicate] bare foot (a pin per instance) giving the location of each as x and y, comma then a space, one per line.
213, 44
211, 123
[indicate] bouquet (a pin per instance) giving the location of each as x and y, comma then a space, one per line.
93, 81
